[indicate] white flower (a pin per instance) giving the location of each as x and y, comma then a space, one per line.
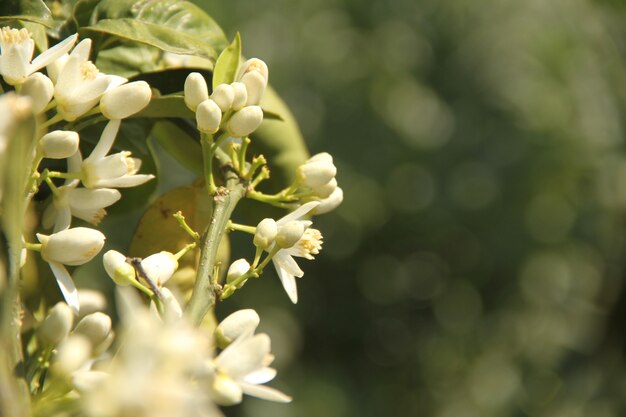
308, 244
241, 323
245, 121
241, 368
59, 144
254, 75
329, 203
120, 271
74, 246
118, 170
39, 89
317, 170
79, 85
160, 267
223, 96
84, 203
124, 101
16, 53
195, 90
57, 324
208, 116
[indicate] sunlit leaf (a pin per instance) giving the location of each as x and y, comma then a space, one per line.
227, 63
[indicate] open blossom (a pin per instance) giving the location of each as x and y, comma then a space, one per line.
118, 170
80, 85
84, 203
296, 238
241, 368
16, 54
74, 246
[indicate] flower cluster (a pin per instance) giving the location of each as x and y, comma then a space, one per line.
237, 103
73, 87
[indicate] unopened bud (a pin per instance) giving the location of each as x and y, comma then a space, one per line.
245, 121
196, 90
71, 355
59, 144
95, 327
223, 96
120, 271
265, 233
289, 234
74, 246
237, 269
160, 267
90, 301
57, 325
326, 190
240, 95
239, 323
125, 100
208, 116
39, 89
329, 203
317, 171
255, 87
225, 390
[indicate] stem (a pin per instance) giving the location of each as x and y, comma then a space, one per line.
181, 221
54, 119
207, 156
203, 296
241, 227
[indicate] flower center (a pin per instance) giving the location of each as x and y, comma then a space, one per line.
12, 36
88, 70
310, 243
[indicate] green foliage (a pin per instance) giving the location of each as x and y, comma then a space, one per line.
227, 63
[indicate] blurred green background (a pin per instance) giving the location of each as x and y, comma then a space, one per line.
476, 266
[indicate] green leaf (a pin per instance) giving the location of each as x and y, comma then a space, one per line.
6, 20
184, 148
155, 35
175, 26
31, 10
228, 63
128, 60
167, 106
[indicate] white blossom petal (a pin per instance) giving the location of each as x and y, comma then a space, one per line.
66, 285
265, 393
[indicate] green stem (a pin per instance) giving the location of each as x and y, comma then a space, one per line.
203, 296
206, 141
241, 227
54, 119
183, 223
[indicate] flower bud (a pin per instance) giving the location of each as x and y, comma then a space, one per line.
59, 144
265, 233
74, 246
255, 87
125, 100
39, 89
317, 171
85, 381
90, 301
95, 327
57, 325
325, 190
240, 95
225, 390
245, 121
289, 234
120, 271
196, 90
330, 203
237, 269
208, 116
71, 355
160, 267
223, 96
239, 323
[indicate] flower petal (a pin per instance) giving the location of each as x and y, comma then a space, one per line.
299, 212
289, 284
125, 181
261, 376
52, 54
265, 393
283, 260
241, 359
66, 285
106, 140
